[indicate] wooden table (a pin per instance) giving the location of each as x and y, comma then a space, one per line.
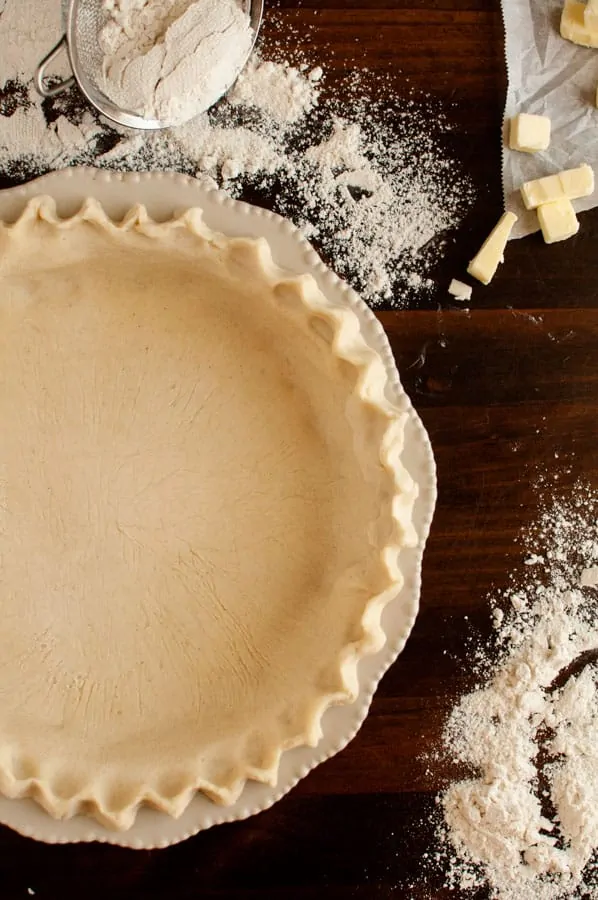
501, 389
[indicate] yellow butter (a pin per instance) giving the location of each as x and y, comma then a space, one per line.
590, 15
460, 290
575, 27
558, 221
484, 265
529, 133
571, 184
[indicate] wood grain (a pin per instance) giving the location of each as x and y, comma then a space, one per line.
507, 391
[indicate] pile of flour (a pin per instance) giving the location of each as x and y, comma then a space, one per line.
526, 823
172, 60
369, 181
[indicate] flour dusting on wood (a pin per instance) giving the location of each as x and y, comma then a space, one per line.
525, 823
366, 174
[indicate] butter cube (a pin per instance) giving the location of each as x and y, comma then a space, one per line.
575, 27
529, 133
557, 221
460, 290
484, 265
571, 184
590, 15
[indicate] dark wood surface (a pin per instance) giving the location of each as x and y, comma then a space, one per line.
501, 389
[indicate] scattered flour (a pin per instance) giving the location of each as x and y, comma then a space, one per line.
526, 824
367, 180
281, 91
589, 577
172, 59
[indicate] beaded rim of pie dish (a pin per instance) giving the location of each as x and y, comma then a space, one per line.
346, 343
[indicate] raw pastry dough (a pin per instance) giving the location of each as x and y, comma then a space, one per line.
201, 507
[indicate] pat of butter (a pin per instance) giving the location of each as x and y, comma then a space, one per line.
558, 221
576, 27
484, 265
590, 15
568, 185
460, 290
529, 133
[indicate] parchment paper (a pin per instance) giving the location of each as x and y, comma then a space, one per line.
552, 77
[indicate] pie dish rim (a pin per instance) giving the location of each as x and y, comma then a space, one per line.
65, 187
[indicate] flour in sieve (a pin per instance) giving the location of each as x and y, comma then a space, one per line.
369, 181
525, 824
171, 59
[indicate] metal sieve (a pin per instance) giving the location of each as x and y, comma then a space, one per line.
83, 21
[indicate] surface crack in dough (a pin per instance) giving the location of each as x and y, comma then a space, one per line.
202, 516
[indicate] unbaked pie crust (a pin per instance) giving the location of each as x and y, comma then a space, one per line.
202, 506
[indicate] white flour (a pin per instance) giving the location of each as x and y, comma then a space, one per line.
282, 92
368, 181
526, 824
172, 59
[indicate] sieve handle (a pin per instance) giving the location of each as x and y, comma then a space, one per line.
40, 73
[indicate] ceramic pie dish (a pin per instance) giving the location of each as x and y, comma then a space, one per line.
206, 512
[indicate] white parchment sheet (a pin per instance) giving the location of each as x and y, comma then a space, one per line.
552, 77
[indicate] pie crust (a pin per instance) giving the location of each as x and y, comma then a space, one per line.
202, 506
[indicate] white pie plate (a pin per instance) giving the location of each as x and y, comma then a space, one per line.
163, 193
